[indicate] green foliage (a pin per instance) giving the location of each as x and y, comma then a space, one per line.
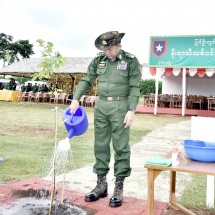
11, 51
148, 86
52, 61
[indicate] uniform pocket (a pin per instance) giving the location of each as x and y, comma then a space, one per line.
101, 73
123, 73
121, 77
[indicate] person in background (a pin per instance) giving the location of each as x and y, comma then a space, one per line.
28, 87
46, 89
11, 85
70, 96
35, 88
41, 88
23, 87
51, 88
18, 87
119, 75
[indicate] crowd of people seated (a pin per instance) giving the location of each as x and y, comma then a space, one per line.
35, 88
46, 94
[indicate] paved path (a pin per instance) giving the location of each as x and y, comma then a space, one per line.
153, 144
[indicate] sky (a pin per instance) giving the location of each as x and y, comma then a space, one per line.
73, 25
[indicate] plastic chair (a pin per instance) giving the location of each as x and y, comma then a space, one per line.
61, 98
26, 96
55, 98
36, 97
90, 101
67, 99
44, 97
82, 100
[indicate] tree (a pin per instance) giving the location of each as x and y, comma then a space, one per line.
16, 50
52, 60
148, 86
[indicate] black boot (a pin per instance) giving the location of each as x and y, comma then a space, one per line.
100, 190
116, 199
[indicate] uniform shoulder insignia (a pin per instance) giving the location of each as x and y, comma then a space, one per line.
129, 55
99, 54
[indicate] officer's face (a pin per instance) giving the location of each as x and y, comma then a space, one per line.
112, 52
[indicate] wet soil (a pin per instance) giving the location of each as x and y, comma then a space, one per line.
35, 202
32, 206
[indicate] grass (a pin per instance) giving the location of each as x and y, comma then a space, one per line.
27, 139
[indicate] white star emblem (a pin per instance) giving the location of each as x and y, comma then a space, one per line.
159, 47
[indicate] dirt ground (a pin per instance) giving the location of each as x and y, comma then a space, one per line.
197, 211
170, 211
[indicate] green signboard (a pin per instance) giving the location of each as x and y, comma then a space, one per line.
182, 51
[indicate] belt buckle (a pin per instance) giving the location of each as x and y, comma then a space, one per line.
109, 98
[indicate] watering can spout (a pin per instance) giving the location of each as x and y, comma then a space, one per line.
75, 123
71, 133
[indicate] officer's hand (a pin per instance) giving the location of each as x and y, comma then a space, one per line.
74, 106
129, 117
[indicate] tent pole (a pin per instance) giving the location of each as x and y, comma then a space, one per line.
184, 91
156, 91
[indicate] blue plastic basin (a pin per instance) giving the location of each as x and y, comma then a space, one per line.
197, 151
197, 143
1, 159
210, 144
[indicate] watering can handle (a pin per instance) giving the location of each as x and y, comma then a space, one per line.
72, 114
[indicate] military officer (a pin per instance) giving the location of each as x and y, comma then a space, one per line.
119, 74
35, 88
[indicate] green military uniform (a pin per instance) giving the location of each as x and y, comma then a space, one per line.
23, 88
35, 88
118, 79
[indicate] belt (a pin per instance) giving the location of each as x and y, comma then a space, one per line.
114, 98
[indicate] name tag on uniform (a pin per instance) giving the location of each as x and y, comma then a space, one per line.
122, 65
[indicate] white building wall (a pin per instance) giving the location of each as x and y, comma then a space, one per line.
195, 86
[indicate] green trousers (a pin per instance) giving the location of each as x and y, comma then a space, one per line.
109, 126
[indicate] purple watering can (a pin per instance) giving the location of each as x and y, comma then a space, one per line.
75, 123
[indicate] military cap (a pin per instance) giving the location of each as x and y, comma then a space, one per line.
108, 39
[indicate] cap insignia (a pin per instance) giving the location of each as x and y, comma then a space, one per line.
104, 42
